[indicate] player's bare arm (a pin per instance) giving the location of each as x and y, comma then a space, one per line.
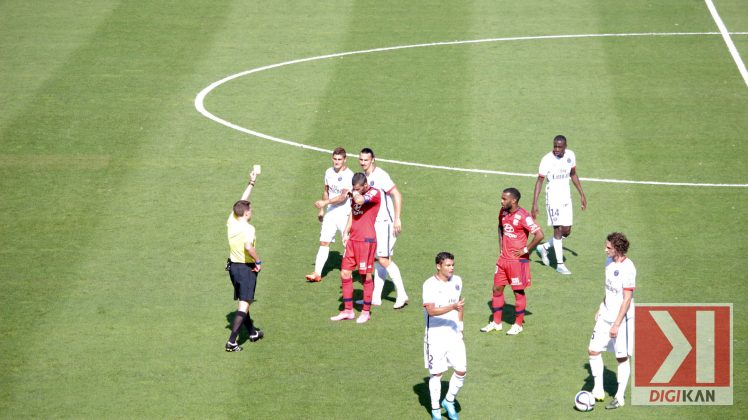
535, 195
252, 251
397, 202
537, 238
578, 185
433, 310
627, 296
321, 204
347, 230
250, 185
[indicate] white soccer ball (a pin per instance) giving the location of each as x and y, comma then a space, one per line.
584, 401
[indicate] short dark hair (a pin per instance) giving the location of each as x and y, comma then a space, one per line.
440, 257
241, 207
368, 152
620, 242
560, 137
513, 192
359, 178
339, 151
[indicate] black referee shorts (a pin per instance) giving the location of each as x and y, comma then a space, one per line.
244, 281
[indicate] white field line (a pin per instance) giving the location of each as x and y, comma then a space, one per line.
728, 40
200, 102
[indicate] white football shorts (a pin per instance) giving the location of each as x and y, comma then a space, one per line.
443, 354
333, 221
560, 213
385, 238
622, 345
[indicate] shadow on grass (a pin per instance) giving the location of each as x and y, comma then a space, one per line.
424, 396
508, 315
243, 334
553, 262
610, 381
334, 259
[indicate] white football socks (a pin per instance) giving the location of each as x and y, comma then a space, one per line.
319, 262
380, 273
455, 383
624, 371
394, 271
435, 390
596, 368
558, 246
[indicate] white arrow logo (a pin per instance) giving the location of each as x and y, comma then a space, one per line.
681, 347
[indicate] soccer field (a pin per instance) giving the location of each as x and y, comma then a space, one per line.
128, 129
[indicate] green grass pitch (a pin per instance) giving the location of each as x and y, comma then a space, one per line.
114, 193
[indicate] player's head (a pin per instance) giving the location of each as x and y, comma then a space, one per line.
366, 158
359, 183
616, 244
242, 207
443, 256
338, 158
510, 198
445, 264
559, 145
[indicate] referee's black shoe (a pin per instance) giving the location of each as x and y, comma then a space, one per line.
233, 347
258, 335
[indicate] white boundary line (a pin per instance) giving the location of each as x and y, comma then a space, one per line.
200, 101
728, 40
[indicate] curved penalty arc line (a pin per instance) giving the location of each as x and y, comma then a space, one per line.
200, 101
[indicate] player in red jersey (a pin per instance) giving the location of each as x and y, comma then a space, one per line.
513, 266
360, 240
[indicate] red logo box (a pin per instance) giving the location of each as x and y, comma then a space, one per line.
682, 354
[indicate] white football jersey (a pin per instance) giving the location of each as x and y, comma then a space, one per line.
336, 182
557, 173
618, 276
441, 293
381, 180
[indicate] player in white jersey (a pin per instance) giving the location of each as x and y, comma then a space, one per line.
335, 200
443, 344
614, 320
388, 227
557, 168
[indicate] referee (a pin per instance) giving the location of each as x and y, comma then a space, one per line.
243, 266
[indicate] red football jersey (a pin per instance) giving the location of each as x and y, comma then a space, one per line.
364, 216
514, 230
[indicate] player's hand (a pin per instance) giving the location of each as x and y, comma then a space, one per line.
597, 315
252, 176
613, 331
320, 204
584, 203
397, 227
534, 211
346, 235
258, 268
460, 305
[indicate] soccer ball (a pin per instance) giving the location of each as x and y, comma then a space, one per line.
584, 401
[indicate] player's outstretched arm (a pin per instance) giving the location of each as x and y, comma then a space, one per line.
250, 185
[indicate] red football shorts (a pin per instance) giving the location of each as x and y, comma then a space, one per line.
515, 273
359, 256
